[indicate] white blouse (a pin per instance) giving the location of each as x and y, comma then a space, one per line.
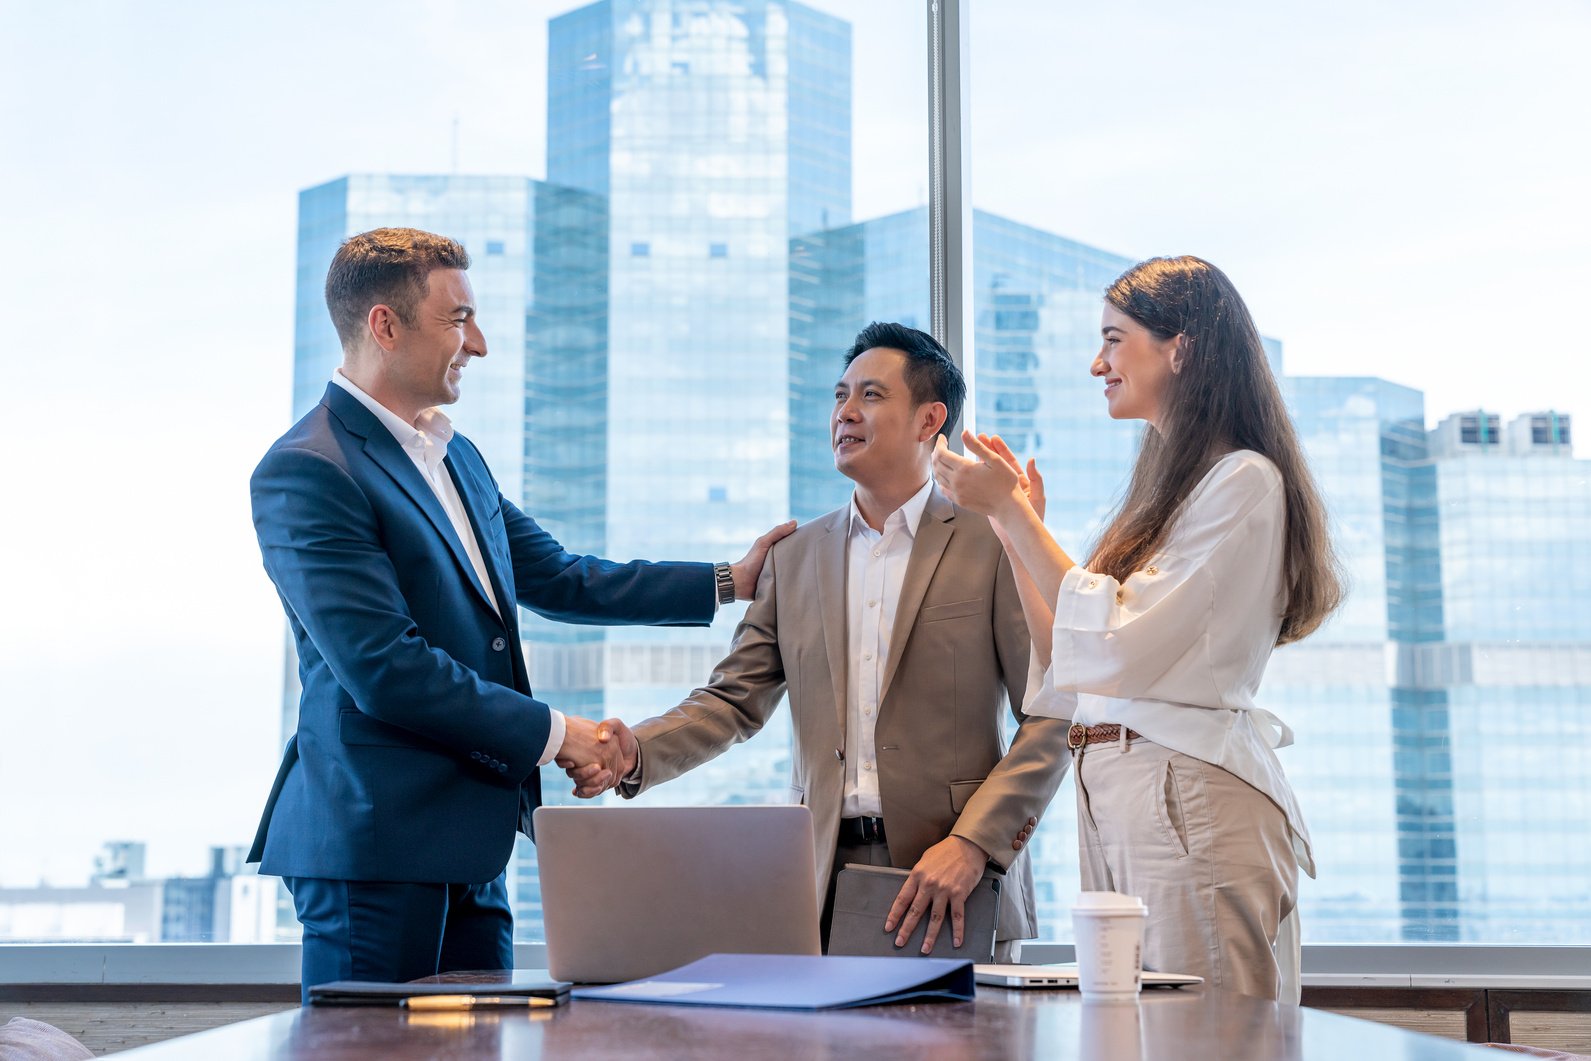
1177, 651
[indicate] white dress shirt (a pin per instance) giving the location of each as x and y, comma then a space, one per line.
426, 445
1178, 650
875, 569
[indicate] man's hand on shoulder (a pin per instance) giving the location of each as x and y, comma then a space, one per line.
596, 756
749, 568
937, 885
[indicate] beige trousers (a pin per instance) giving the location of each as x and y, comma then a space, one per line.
1209, 854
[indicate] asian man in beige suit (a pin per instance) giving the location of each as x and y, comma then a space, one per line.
895, 627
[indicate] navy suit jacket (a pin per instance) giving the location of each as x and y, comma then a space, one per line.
418, 738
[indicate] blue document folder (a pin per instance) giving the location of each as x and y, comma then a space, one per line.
795, 981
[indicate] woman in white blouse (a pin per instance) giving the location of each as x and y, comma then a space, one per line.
1218, 553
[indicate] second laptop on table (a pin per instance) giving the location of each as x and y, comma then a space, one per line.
630, 892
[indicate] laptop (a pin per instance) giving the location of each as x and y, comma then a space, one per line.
1063, 976
630, 892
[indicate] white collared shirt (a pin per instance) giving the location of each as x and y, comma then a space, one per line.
425, 442
1178, 650
875, 570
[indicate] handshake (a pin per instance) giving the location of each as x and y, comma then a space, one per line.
596, 755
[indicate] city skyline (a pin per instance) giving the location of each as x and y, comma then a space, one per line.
195, 700
629, 292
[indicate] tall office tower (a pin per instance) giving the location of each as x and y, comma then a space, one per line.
504, 223
1355, 781
712, 131
1037, 299
1421, 724
538, 269
494, 218
1516, 668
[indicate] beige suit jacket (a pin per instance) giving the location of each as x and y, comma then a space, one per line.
959, 651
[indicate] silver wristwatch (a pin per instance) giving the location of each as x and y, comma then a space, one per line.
724, 579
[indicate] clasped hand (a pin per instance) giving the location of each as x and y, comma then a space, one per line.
596, 755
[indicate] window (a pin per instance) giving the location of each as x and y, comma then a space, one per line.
638, 400
1438, 772
1374, 213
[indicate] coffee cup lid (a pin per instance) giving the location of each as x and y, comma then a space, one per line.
1109, 903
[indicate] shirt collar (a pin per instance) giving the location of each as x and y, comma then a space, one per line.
909, 515
428, 438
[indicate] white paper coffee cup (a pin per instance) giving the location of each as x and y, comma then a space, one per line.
1110, 940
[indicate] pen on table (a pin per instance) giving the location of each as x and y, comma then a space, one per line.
474, 1001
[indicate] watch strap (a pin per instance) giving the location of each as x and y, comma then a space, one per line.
724, 580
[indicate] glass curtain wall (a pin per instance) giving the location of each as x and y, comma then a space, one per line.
680, 213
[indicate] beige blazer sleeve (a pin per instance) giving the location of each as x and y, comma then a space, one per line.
1024, 781
737, 701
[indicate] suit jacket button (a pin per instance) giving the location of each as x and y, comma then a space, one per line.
498, 644
502, 768
476, 756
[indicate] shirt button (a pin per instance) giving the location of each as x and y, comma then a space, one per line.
1118, 596
868, 711
867, 764
1152, 569
498, 644
872, 604
877, 551
867, 655
1093, 582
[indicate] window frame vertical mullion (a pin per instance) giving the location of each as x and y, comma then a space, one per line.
950, 275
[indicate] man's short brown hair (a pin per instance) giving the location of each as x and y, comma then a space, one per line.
385, 266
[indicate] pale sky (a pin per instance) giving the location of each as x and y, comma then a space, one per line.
1398, 190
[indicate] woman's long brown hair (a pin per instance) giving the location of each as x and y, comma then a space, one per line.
1223, 397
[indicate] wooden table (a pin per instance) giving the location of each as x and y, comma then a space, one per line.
1186, 1023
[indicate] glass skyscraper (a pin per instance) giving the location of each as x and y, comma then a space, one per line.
713, 133
1515, 666
1037, 299
504, 222
1334, 688
494, 217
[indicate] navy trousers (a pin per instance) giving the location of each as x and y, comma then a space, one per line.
395, 932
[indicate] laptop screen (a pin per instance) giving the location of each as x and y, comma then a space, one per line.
628, 892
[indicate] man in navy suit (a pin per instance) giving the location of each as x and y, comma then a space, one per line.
400, 566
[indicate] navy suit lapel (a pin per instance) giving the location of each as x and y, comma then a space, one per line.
387, 455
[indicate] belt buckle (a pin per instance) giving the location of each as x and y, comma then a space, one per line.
1077, 736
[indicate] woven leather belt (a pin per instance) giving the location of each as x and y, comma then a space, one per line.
855, 831
1080, 734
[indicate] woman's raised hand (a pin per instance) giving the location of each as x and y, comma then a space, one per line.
989, 484
1029, 479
